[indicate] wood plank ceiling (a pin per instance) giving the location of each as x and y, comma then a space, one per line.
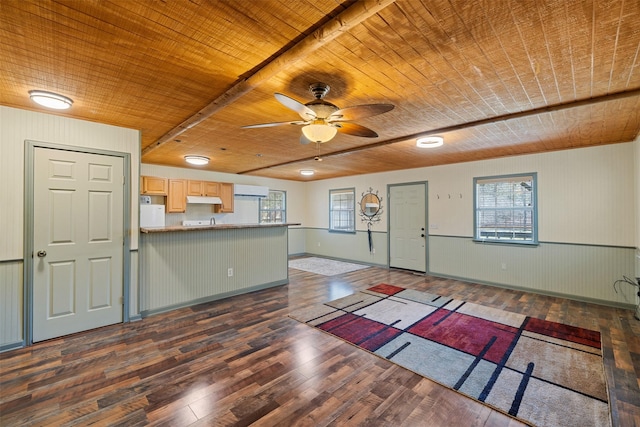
494, 78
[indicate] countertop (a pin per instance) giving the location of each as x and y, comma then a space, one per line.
173, 228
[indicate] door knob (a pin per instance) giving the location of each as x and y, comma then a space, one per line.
422, 235
42, 254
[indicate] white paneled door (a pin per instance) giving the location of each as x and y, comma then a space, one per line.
78, 234
407, 227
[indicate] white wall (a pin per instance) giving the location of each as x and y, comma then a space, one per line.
586, 198
584, 195
16, 126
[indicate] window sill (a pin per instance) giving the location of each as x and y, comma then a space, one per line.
506, 242
343, 231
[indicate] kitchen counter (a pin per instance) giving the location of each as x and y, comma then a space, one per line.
172, 228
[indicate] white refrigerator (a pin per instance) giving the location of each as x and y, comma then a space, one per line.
151, 215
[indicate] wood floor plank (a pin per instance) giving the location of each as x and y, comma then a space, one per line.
242, 361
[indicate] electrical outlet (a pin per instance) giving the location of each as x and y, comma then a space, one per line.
318, 244
229, 272
504, 265
373, 251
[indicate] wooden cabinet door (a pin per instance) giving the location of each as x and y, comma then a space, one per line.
177, 196
226, 194
195, 188
153, 185
211, 189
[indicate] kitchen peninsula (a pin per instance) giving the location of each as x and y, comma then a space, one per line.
186, 265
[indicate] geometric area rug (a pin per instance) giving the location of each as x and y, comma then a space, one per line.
540, 372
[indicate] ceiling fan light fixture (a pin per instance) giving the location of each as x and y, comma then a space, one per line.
319, 132
50, 99
196, 160
430, 142
307, 172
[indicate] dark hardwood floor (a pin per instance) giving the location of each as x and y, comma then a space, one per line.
243, 361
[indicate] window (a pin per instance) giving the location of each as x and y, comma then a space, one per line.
342, 213
273, 208
505, 209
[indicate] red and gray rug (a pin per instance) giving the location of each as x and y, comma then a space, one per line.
544, 373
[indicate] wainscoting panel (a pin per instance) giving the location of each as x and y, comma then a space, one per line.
134, 303
348, 246
11, 297
12, 302
577, 271
297, 237
181, 268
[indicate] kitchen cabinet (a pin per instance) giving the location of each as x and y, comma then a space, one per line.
177, 196
226, 195
154, 186
203, 188
211, 189
194, 188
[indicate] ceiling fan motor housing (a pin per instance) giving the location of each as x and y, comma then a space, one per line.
322, 108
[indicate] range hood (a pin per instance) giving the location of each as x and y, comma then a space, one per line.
204, 200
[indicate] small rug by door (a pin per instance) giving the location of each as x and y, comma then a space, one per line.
325, 267
541, 372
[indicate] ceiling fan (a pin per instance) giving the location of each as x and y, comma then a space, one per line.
321, 120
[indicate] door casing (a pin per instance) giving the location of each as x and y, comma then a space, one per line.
30, 147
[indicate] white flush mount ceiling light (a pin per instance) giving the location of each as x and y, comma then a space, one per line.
307, 172
317, 132
50, 99
196, 160
430, 142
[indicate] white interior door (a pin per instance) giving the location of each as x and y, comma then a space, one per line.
78, 242
407, 227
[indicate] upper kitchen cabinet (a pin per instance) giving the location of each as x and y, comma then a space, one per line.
177, 196
226, 194
154, 186
211, 189
203, 188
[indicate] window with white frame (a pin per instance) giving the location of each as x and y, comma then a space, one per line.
273, 208
505, 209
342, 213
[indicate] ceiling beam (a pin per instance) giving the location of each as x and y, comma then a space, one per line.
347, 19
490, 120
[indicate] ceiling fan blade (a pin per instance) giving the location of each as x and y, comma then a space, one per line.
268, 125
359, 112
304, 111
355, 130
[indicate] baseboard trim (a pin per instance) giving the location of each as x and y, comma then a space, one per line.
12, 346
536, 291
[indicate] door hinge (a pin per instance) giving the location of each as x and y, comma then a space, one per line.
122, 300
